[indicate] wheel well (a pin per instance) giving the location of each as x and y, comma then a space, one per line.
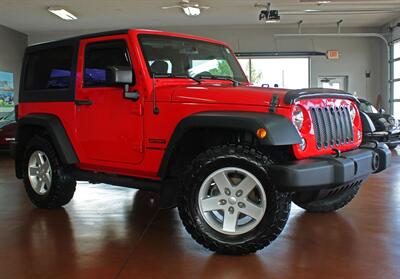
199, 140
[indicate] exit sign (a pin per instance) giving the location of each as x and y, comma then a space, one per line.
333, 54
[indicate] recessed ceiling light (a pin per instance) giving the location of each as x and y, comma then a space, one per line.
324, 2
62, 13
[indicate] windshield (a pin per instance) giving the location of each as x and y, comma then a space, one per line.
172, 56
367, 107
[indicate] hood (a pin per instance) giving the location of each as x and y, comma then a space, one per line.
213, 94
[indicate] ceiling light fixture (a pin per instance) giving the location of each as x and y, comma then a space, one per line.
62, 13
323, 2
188, 7
192, 11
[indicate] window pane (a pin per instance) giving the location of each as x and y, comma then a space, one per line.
396, 49
99, 57
396, 110
289, 73
245, 63
396, 91
49, 69
396, 70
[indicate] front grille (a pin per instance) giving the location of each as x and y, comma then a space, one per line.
332, 126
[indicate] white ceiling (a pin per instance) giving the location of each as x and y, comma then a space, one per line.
31, 16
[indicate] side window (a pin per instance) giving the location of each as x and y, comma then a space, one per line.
49, 69
100, 57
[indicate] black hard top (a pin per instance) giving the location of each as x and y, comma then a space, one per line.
75, 40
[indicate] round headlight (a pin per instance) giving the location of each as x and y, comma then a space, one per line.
298, 117
352, 113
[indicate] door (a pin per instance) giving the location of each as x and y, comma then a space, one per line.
333, 82
109, 127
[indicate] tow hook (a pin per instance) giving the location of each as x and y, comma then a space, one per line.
375, 162
381, 155
337, 152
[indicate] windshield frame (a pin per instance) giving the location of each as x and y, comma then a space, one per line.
146, 61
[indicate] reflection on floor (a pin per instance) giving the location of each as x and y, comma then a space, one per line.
111, 232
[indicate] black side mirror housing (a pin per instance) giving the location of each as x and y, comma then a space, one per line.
121, 75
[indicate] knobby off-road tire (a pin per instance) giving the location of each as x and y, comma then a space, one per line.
329, 204
239, 164
45, 184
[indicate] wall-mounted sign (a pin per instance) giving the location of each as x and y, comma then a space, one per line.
333, 54
6, 91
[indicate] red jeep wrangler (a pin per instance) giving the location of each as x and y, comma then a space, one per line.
176, 114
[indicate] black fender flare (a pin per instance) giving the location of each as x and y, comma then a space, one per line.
55, 129
280, 131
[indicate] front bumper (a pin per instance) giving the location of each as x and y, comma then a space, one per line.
328, 171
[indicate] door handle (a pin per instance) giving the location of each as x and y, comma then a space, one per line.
83, 102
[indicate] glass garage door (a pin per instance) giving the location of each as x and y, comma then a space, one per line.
396, 79
292, 73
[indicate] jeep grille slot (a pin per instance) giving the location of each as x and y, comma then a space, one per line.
332, 126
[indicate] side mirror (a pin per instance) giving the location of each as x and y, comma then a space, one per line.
120, 75
381, 111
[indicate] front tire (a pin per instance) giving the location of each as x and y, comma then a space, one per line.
45, 184
228, 203
328, 204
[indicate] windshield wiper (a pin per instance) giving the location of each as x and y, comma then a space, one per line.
234, 82
176, 76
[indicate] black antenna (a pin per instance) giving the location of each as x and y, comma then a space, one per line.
156, 110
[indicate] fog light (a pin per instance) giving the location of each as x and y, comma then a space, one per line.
303, 144
261, 133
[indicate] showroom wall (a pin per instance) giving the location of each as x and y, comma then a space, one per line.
12, 47
358, 55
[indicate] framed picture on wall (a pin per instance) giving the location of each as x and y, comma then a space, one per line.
6, 92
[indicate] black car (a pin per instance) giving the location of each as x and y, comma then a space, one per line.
8, 127
387, 129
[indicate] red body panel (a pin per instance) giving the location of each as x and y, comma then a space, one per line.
117, 135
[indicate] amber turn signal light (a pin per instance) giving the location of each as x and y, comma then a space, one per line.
261, 133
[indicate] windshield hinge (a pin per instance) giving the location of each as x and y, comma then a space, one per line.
274, 103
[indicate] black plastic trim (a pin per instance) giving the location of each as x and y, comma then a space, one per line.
55, 129
367, 124
327, 171
293, 95
113, 179
280, 131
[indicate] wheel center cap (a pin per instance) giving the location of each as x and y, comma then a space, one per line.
232, 200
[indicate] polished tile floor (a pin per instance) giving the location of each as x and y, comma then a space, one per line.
111, 232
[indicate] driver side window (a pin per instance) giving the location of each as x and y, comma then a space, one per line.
99, 57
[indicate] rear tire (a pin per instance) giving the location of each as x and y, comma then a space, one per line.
251, 230
329, 204
45, 184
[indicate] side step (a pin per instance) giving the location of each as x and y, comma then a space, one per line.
117, 180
